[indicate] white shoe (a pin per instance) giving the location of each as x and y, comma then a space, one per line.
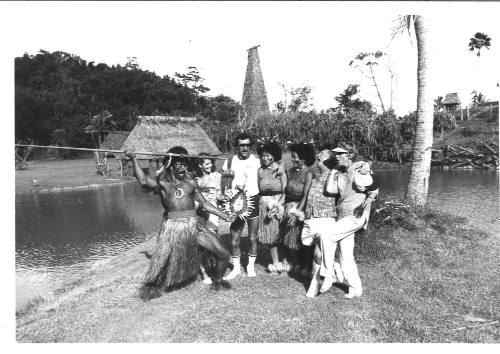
234, 273
327, 284
251, 272
353, 293
313, 288
236, 269
207, 281
251, 266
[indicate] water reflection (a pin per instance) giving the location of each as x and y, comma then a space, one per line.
473, 194
58, 234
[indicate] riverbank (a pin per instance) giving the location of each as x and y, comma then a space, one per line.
426, 279
63, 175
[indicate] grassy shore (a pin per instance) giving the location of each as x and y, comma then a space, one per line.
49, 175
427, 278
55, 175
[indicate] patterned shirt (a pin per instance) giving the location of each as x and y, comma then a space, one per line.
320, 206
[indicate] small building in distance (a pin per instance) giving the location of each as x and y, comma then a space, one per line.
452, 102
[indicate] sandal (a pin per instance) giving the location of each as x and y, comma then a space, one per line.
271, 268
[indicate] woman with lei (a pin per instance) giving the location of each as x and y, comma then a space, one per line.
272, 183
299, 179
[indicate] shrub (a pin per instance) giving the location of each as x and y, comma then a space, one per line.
377, 137
444, 121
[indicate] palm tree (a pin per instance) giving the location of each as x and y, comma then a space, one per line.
100, 125
418, 183
477, 98
479, 41
369, 60
438, 103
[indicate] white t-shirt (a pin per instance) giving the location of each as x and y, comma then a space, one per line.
245, 173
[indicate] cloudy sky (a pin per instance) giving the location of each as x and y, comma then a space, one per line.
300, 43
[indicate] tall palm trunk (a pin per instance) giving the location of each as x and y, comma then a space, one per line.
376, 87
418, 184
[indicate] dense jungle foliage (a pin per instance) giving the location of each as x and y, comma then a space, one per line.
61, 99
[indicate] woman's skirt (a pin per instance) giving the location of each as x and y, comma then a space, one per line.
291, 234
175, 258
269, 228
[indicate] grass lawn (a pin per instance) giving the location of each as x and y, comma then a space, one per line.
63, 174
433, 281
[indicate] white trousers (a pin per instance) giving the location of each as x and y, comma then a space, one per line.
342, 232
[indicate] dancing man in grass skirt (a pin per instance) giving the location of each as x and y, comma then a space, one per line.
175, 259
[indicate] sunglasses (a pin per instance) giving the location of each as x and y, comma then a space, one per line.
244, 145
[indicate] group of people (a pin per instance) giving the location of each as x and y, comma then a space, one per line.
302, 214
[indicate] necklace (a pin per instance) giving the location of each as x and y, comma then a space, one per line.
180, 191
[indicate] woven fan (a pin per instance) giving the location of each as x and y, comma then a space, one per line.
238, 202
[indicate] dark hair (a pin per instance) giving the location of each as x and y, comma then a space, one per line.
271, 147
202, 158
175, 150
304, 152
330, 163
242, 136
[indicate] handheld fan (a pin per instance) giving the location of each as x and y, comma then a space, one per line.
238, 202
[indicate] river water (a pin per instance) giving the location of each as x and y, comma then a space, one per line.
60, 234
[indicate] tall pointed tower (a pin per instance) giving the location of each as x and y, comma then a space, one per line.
254, 99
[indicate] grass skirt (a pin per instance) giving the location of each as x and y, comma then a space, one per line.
175, 258
291, 234
269, 228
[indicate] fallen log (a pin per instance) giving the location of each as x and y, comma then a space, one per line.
467, 150
490, 149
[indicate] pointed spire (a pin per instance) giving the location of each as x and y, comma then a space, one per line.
254, 99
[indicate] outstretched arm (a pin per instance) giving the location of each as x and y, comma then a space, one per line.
144, 180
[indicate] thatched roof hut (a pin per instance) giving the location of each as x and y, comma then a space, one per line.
451, 101
160, 133
114, 141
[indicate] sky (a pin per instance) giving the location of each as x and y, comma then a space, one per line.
301, 43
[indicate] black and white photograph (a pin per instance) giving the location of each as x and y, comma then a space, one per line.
251, 172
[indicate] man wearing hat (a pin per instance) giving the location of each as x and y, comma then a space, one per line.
353, 183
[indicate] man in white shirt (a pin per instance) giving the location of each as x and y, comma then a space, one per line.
245, 166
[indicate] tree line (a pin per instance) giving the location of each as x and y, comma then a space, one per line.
58, 95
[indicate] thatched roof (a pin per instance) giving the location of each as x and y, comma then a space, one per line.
451, 98
114, 141
160, 133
